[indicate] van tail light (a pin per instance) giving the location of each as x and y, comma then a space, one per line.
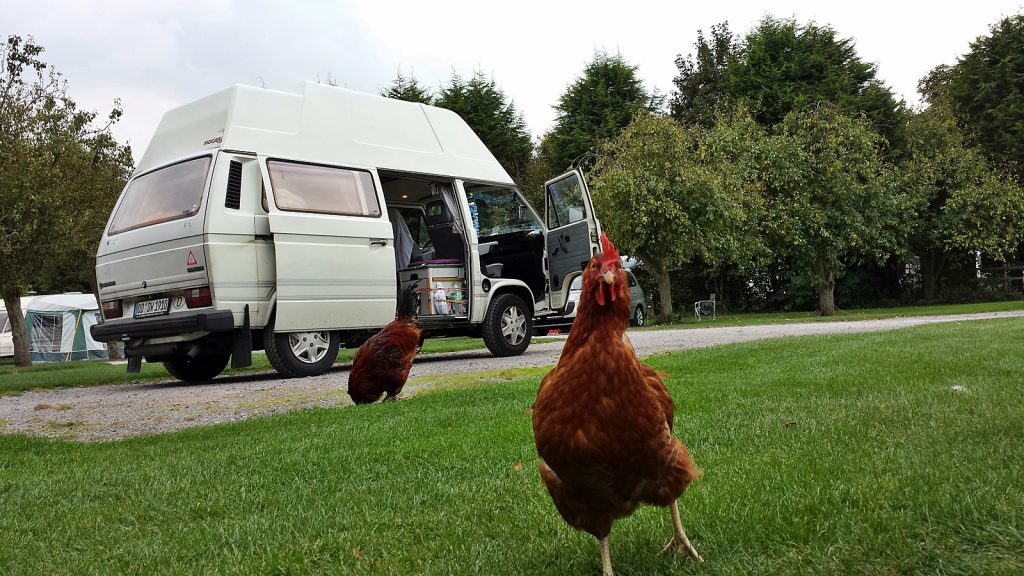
112, 309
198, 297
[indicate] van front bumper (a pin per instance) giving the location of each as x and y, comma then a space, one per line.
183, 323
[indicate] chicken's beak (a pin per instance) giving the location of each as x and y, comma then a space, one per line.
608, 277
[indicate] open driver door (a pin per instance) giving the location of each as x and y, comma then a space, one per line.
573, 235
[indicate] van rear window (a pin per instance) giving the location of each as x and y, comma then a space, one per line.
162, 195
322, 189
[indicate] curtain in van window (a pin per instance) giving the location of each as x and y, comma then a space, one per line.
447, 193
403, 239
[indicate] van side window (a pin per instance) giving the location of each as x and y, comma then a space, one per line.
565, 202
166, 194
322, 189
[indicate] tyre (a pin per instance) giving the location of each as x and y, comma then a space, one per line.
198, 369
638, 316
508, 326
299, 354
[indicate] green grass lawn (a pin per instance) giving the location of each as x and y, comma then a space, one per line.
744, 319
894, 452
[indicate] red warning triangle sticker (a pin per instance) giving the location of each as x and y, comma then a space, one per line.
191, 259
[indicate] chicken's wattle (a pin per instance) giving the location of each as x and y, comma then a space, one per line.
605, 293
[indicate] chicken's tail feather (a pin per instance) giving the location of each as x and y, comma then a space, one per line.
407, 304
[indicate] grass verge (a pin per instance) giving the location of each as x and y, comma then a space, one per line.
894, 452
746, 319
14, 380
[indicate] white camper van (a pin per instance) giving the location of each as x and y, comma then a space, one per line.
290, 220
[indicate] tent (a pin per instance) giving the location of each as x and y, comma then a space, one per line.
58, 327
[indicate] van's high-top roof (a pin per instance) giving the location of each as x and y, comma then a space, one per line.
326, 124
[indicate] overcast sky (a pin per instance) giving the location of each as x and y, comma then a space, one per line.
154, 55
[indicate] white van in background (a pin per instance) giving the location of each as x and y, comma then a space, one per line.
289, 221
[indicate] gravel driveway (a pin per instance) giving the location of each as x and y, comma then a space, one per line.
120, 411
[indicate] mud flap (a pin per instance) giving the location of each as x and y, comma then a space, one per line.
241, 344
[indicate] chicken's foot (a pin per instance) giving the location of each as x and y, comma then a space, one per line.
680, 544
606, 558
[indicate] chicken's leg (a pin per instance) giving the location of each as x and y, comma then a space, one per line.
606, 558
679, 543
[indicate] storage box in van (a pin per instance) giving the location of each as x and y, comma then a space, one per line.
289, 221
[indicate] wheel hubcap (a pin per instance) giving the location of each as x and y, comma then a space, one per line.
309, 347
513, 325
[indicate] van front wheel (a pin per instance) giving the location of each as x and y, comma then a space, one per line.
298, 354
198, 369
508, 326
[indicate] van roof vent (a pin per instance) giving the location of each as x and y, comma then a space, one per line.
233, 199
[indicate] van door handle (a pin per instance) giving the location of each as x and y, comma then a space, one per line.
378, 242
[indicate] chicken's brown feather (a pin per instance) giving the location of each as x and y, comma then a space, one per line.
603, 421
382, 364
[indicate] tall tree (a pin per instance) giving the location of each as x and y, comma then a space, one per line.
832, 198
784, 66
671, 195
596, 106
701, 87
493, 117
59, 178
960, 203
986, 92
407, 88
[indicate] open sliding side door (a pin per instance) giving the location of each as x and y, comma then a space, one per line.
573, 232
333, 247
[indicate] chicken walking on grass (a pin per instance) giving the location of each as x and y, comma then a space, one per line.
602, 421
382, 364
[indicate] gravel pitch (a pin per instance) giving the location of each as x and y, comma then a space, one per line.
120, 411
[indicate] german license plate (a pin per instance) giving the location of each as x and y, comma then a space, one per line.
151, 308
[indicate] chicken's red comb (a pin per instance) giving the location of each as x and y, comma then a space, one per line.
608, 250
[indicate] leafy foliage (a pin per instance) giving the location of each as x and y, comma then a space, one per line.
830, 195
59, 178
493, 117
702, 84
596, 106
408, 89
671, 195
985, 89
961, 204
784, 66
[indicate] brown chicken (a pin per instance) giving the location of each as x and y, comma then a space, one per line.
381, 365
602, 421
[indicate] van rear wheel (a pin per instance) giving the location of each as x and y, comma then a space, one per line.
508, 326
299, 354
198, 369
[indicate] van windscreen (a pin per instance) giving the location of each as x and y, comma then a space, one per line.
162, 195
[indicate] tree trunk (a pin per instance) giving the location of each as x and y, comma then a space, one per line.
19, 334
826, 279
665, 296
661, 275
932, 264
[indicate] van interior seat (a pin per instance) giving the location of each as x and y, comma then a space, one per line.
447, 242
